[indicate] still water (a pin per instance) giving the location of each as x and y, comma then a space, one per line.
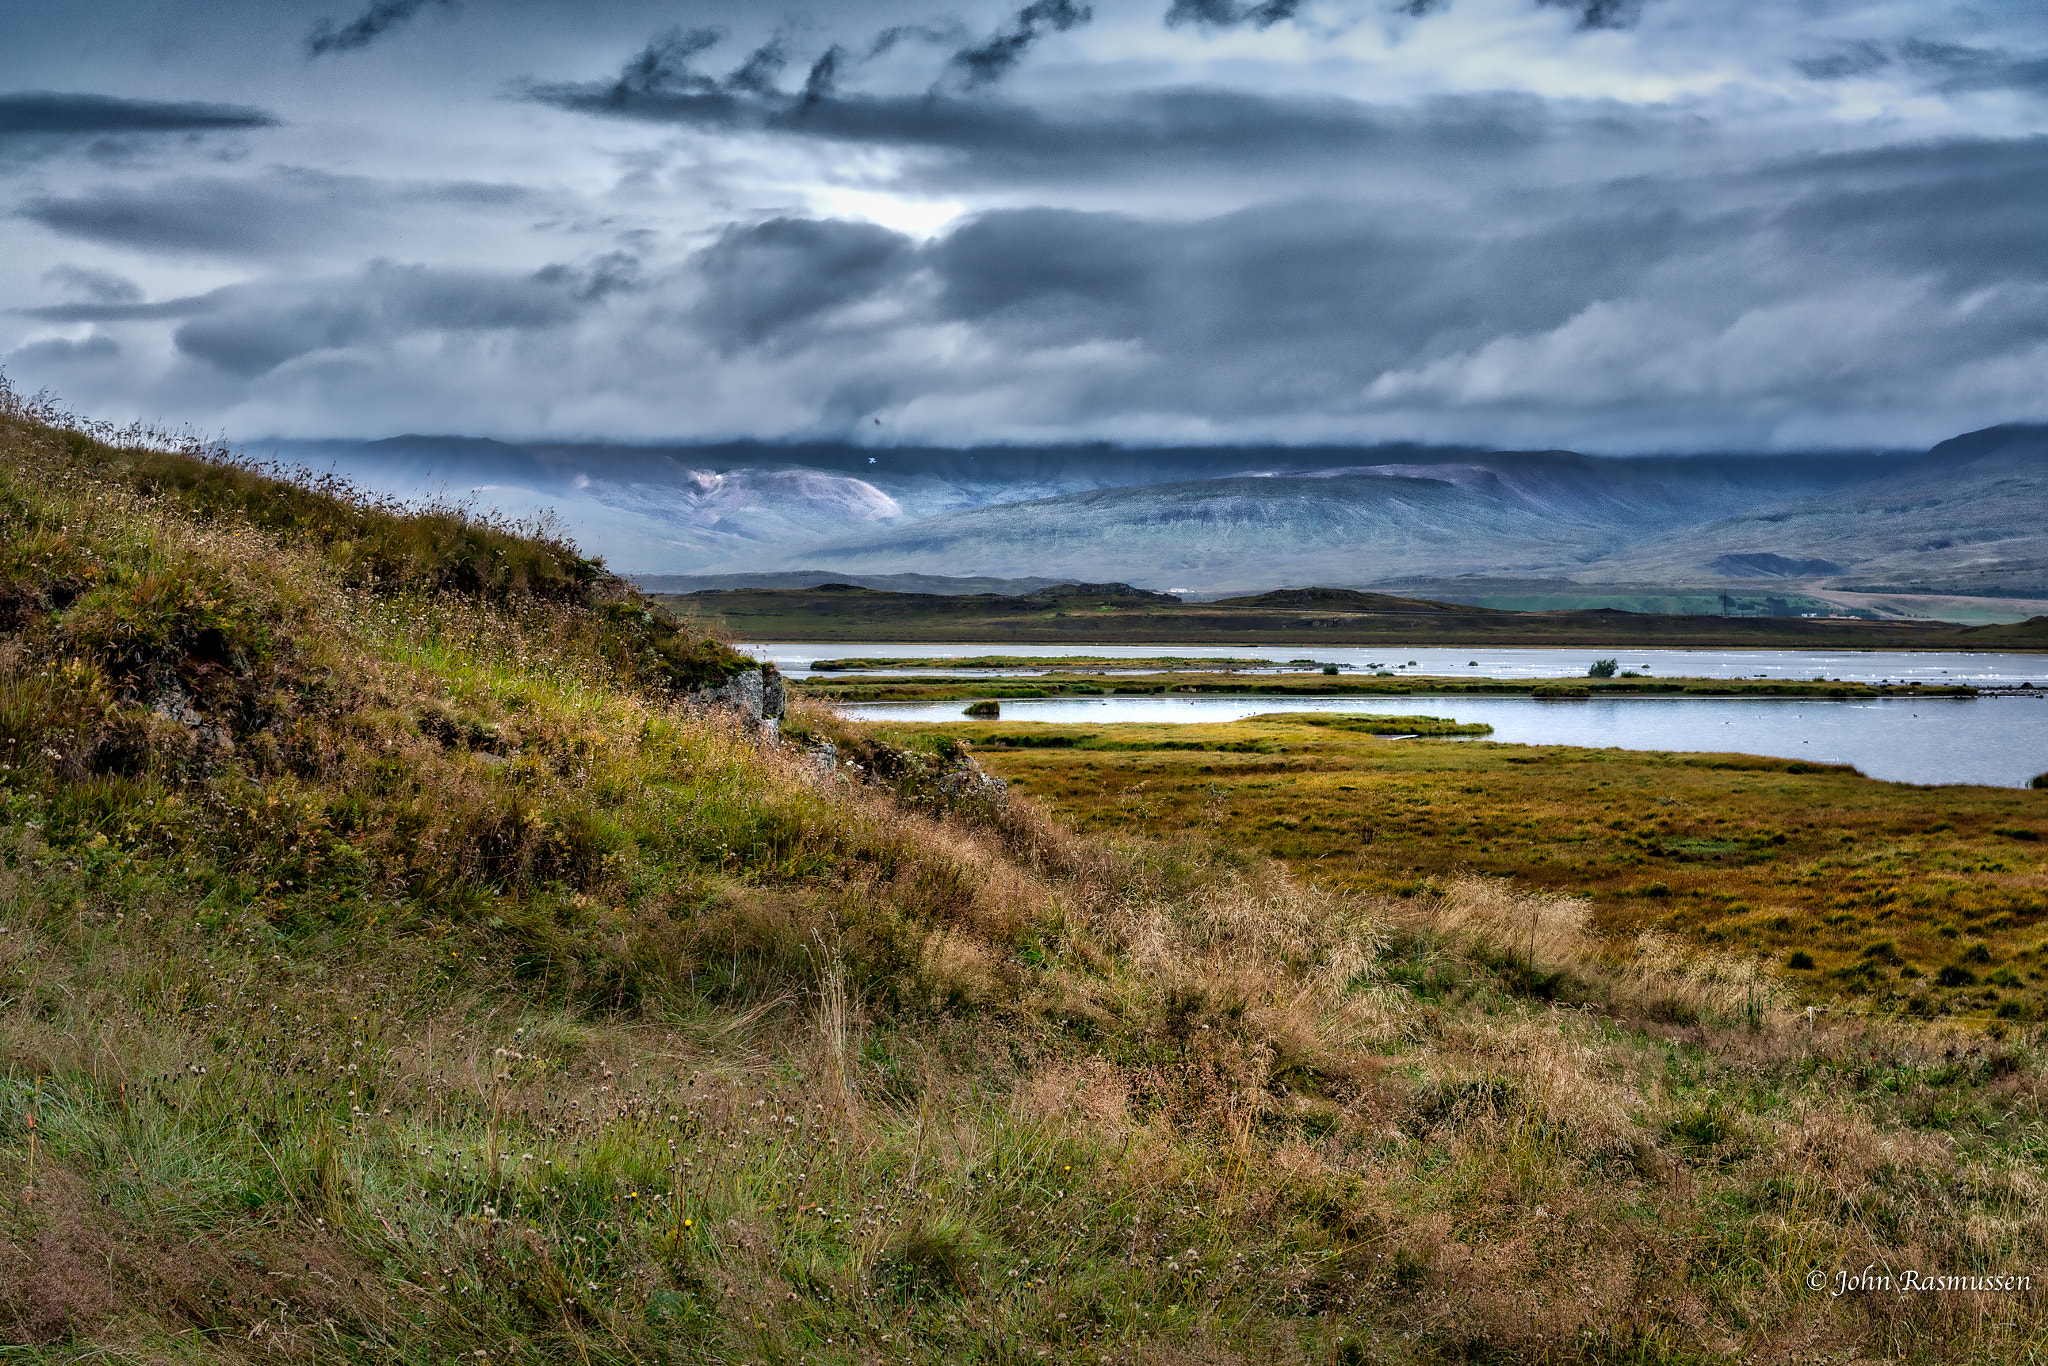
1864, 666
2001, 742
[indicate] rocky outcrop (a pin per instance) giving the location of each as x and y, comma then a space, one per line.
948, 780
756, 694
973, 783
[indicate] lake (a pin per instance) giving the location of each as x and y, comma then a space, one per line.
1856, 666
2001, 742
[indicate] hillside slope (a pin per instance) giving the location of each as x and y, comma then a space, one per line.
1963, 517
403, 957
1257, 532
1969, 516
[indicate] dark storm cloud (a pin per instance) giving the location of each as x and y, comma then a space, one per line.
51, 114
248, 330
284, 212
367, 27
1230, 14
763, 279
988, 62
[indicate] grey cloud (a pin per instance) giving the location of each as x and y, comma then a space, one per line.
887, 41
1327, 283
1957, 68
284, 212
1858, 59
116, 312
763, 279
100, 286
1230, 14
822, 81
1599, 14
248, 330
758, 73
1150, 133
1952, 68
1967, 212
366, 28
990, 61
664, 64
663, 81
53, 114
1668, 299
58, 351
1057, 274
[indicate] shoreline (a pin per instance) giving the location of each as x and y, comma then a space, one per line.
859, 688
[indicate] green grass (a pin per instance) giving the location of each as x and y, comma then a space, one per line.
399, 968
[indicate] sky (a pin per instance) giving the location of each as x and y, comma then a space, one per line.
1608, 225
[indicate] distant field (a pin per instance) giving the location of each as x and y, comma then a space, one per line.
1076, 682
1930, 901
1305, 618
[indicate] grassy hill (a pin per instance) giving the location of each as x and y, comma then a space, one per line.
398, 962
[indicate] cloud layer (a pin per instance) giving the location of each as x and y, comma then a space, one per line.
1589, 223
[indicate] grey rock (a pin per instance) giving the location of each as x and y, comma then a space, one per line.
757, 695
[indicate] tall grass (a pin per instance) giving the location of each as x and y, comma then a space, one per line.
405, 971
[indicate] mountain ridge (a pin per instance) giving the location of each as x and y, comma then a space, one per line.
1234, 519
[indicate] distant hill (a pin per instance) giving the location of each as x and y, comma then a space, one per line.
1971, 517
1106, 614
1964, 518
812, 578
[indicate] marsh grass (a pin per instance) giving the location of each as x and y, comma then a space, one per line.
1718, 854
396, 973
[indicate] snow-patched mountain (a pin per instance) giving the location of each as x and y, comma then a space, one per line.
1967, 516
